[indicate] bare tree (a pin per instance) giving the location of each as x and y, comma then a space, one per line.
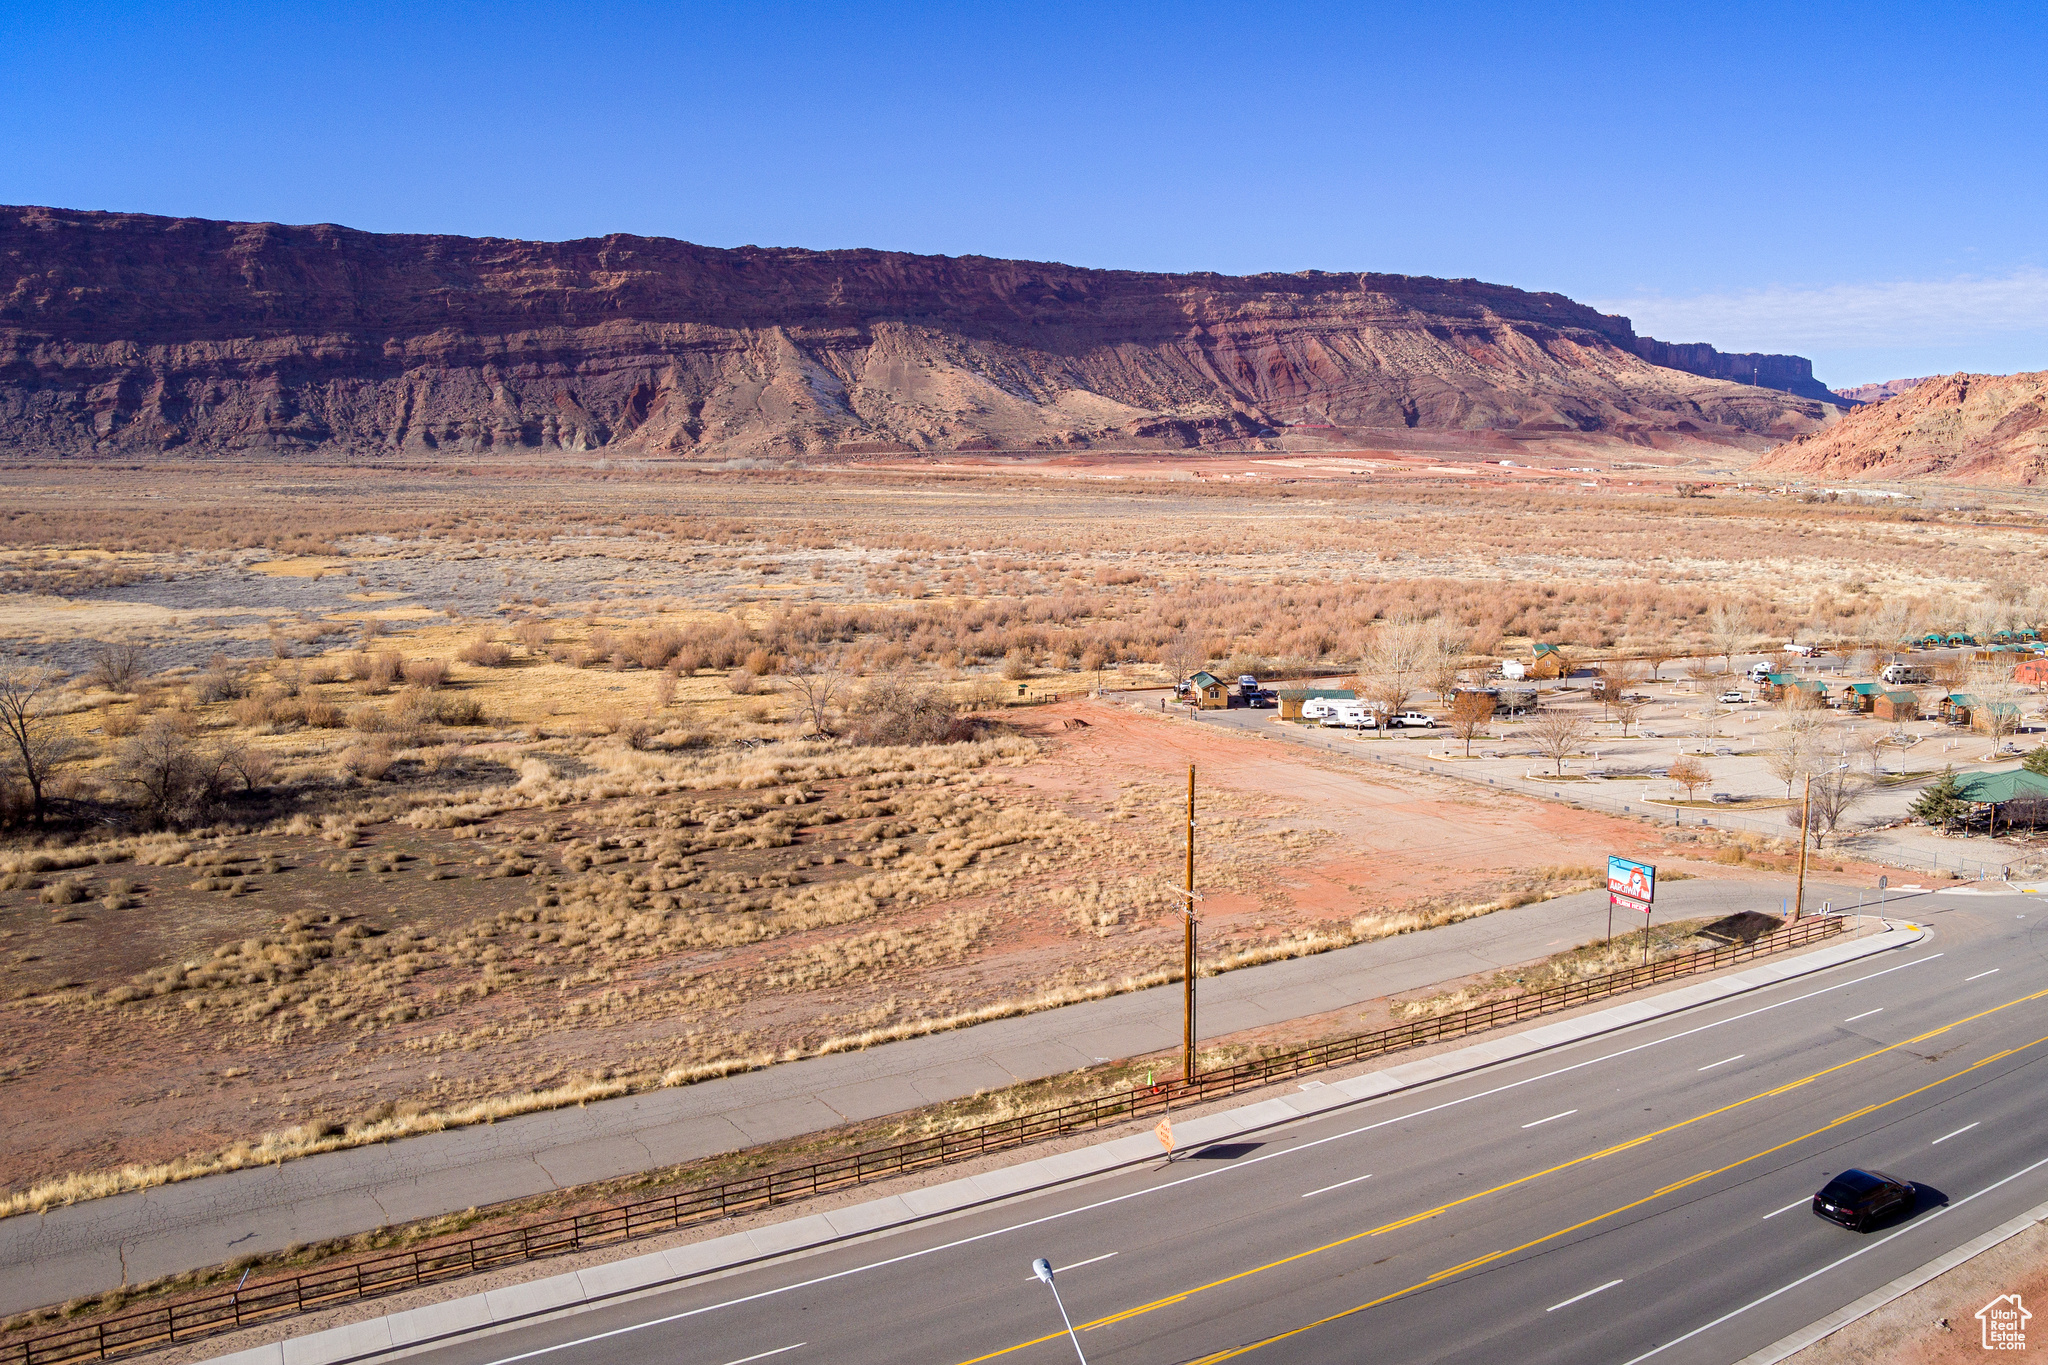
169, 779
1182, 655
1788, 753
1834, 793
1619, 679
1442, 674
1703, 673
817, 684
1690, 774
1628, 708
1557, 736
1398, 657
36, 744
1998, 698
1658, 655
1470, 711
1895, 622
1728, 627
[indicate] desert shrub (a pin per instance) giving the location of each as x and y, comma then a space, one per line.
1016, 665
760, 663
324, 715
656, 648
69, 891
484, 652
371, 762
252, 712
425, 672
116, 667
633, 731
534, 635
217, 683
740, 682
459, 711
899, 710
118, 724
686, 662
369, 720
251, 765
167, 778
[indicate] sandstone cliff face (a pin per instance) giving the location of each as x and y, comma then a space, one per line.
123, 332
1877, 393
1973, 428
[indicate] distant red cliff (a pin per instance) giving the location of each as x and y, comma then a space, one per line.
1971, 428
124, 333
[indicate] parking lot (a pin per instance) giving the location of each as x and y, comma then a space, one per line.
1624, 773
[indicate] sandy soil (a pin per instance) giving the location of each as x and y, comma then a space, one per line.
1936, 1324
1287, 848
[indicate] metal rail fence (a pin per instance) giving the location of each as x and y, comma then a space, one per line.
225, 1310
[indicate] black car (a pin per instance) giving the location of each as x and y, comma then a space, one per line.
1858, 1198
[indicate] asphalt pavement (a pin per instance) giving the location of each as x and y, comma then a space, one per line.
133, 1238
1638, 1196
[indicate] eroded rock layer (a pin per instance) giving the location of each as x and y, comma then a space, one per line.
126, 333
1973, 428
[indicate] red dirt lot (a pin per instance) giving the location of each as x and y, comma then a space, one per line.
1012, 877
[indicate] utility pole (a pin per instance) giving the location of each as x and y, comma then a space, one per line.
1188, 966
1805, 820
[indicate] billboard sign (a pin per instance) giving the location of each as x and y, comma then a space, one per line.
1621, 902
1637, 881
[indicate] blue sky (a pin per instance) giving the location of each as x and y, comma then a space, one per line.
1862, 184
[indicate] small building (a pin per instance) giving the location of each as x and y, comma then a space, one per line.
2033, 671
1776, 685
1995, 794
1293, 698
1211, 693
1862, 697
1955, 707
1550, 662
1895, 704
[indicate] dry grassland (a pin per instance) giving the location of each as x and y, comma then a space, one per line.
519, 805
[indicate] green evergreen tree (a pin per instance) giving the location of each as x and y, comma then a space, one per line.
1942, 803
2036, 761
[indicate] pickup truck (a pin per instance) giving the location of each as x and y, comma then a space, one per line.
1407, 719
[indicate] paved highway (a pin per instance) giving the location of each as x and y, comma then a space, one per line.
1636, 1197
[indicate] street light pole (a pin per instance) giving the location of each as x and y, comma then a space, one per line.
1042, 1268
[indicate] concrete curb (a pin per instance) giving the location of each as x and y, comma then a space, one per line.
519, 1303
1806, 1336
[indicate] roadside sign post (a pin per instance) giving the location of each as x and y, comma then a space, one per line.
1632, 886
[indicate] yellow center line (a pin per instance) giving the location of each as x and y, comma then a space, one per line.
1443, 1275
1538, 1175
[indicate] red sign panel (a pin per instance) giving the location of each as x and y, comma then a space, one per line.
1621, 902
